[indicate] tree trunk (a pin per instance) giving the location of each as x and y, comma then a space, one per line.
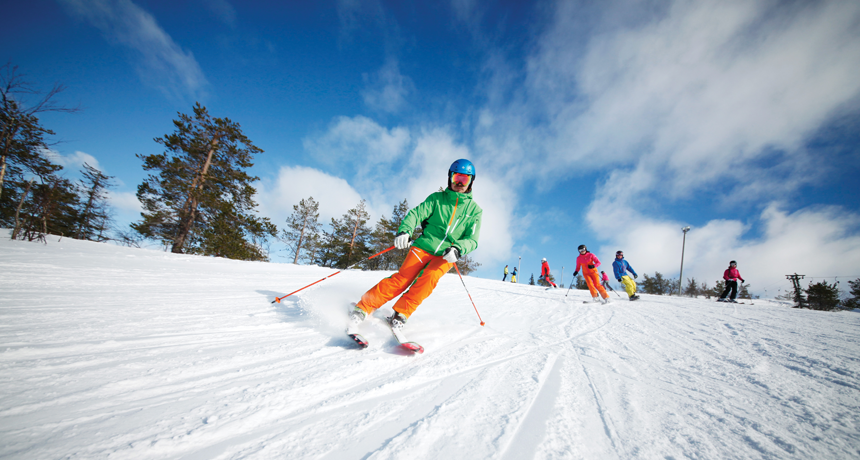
7, 143
301, 237
352, 241
189, 209
86, 215
18, 211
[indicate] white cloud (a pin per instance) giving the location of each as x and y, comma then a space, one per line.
699, 93
125, 202
387, 89
359, 142
162, 63
73, 161
294, 183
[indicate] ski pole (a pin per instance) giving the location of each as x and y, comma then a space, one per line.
571, 286
467, 292
278, 299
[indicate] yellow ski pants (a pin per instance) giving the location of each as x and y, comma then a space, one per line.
629, 285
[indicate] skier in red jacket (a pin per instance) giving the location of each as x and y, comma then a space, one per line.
544, 272
589, 263
731, 275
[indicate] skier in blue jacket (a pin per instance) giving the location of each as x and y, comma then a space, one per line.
620, 267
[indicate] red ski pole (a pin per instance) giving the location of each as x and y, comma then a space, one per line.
278, 299
467, 292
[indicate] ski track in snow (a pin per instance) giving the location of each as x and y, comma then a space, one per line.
140, 354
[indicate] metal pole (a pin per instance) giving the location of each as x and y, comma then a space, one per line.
561, 282
683, 244
519, 269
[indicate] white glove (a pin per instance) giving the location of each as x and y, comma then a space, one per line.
451, 255
401, 241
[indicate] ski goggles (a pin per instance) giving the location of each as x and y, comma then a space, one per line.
619, 254
464, 179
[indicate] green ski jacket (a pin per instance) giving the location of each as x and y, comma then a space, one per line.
449, 219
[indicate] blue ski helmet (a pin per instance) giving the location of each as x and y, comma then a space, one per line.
462, 166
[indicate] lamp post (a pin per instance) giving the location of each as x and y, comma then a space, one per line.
683, 244
519, 262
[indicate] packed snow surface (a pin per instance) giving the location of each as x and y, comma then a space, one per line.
139, 354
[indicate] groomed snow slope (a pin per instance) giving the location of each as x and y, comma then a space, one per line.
138, 354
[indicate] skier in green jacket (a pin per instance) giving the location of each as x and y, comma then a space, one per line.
451, 222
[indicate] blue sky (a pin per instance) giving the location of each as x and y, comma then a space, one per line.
611, 124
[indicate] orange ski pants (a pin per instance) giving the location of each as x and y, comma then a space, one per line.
592, 279
420, 270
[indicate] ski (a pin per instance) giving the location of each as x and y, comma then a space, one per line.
359, 339
404, 342
352, 330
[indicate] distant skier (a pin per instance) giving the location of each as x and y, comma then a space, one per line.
544, 272
589, 263
620, 267
605, 281
506, 273
731, 275
452, 223
514, 275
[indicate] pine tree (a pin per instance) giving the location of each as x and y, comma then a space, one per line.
854, 301
348, 241
51, 207
532, 280
467, 265
311, 248
95, 214
744, 292
22, 137
581, 283
822, 296
703, 290
382, 238
719, 287
653, 285
302, 225
671, 286
354, 226
692, 289
329, 247
200, 184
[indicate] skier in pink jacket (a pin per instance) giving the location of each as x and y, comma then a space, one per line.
731, 275
589, 263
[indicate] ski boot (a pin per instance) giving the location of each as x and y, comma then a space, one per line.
397, 321
634, 297
356, 317
606, 301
